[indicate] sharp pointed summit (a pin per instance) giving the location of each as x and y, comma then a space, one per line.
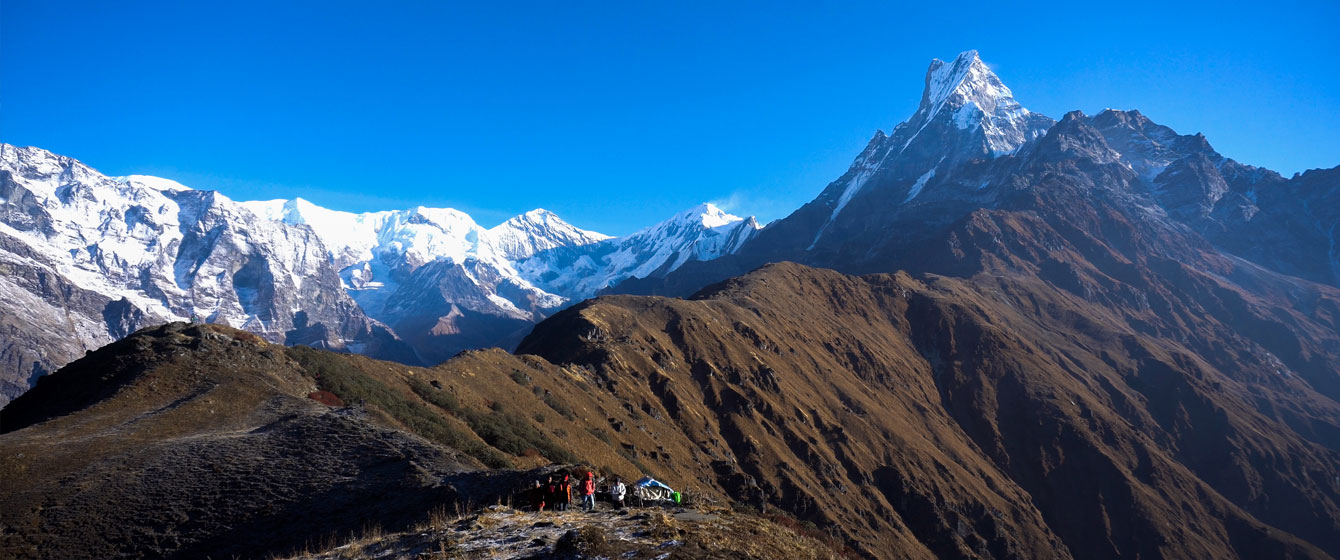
966, 113
965, 95
964, 81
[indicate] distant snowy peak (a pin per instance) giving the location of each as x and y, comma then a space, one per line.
966, 114
710, 216
300, 273
703, 232
535, 231
693, 225
167, 251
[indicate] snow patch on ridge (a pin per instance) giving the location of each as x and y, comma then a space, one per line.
917, 186
149, 181
864, 167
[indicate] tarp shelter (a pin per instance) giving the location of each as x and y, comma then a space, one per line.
649, 488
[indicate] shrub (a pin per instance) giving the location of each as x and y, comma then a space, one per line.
444, 400
514, 435
519, 377
559, 406
244, 336
601, 435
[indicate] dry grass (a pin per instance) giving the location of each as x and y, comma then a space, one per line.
438, 519
373, 533
663, 527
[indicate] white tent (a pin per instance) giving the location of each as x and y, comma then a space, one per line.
650, 489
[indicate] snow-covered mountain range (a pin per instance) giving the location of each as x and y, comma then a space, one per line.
446, 283
89, 258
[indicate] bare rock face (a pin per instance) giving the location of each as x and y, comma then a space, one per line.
38, 333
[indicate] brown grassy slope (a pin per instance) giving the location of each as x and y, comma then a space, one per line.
971, 418
829, 416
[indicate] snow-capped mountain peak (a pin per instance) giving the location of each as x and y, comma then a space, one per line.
130, 251
703, 232
709, 215
399, 265
964, 80
446, 219
538, 230
966, 113
684, 226
972, 96
348, 236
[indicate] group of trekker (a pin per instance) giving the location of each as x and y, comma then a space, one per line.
556, 492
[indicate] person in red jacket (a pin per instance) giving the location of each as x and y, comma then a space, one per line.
589, 492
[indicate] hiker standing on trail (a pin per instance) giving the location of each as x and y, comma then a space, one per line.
551, 493
537, 496
618, 492
564, 496
589, 492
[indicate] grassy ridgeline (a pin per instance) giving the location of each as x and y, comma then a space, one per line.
502, 433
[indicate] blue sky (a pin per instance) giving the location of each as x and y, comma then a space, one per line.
617, 115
